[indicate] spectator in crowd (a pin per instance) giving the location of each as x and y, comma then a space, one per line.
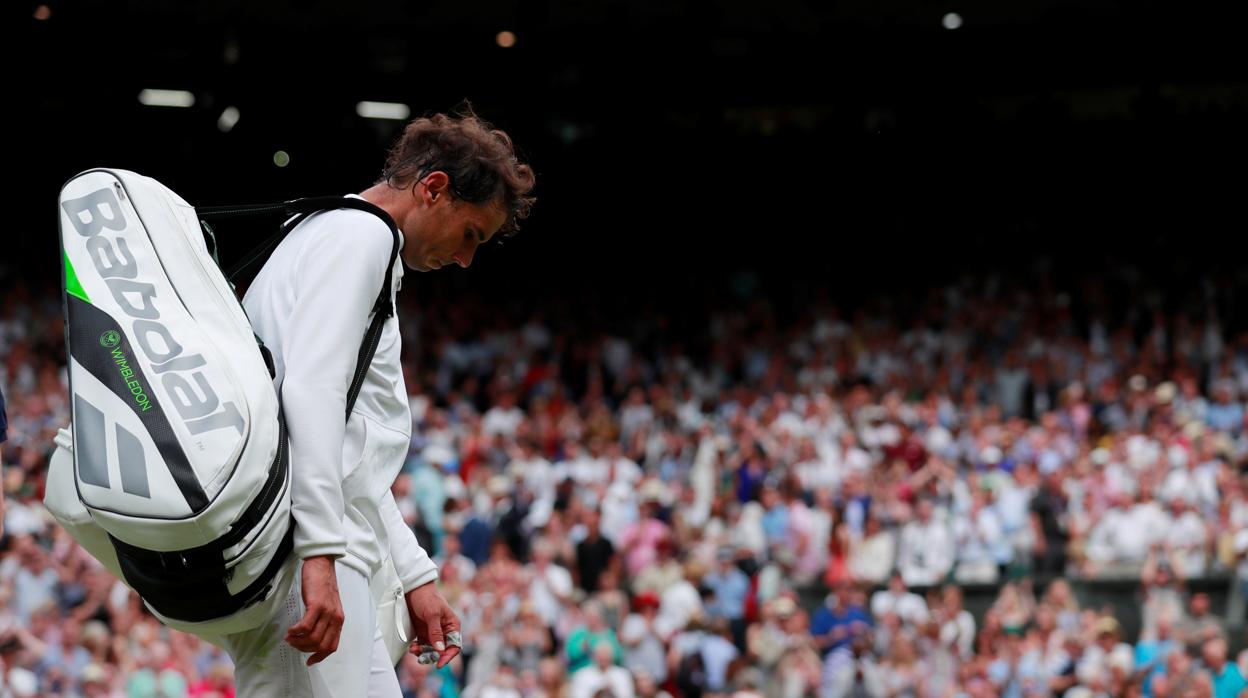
729, 587
600, 674
839, 622
595, 632
899, 601
1225, 675
926, 550
872, 557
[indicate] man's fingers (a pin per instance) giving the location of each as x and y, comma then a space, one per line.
326, 648
420, 634
438, 636
316, 632
331, 642
328, 631
313, 623
454, 640
425, 654
319, 637
448, 655
321, 642
305, 624
433, 622
304, 636
450, 626
306, 643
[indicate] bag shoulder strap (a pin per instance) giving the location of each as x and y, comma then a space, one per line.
298, 210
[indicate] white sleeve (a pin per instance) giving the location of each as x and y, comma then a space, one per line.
413, 564
339, 273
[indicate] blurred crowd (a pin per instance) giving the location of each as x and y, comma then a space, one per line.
746, 500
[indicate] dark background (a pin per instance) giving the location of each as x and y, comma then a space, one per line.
853, 145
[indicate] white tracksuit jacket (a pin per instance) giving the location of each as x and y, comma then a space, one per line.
311, 304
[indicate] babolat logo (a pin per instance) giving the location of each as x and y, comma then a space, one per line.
201, 410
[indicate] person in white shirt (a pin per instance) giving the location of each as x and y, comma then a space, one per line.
551, 585
680, 602
1106, 655
981, 543
635, 413
620, 468
1187, 537
896, 599
957, 625
926, 549
601, 675
817, 471
533, 470
871, 558
450, 185
1124, 535
586, 468
504, 417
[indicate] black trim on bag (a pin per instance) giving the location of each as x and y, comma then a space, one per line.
192, 585
268, 494
193, 595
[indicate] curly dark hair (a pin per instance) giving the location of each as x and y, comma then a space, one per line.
479, 159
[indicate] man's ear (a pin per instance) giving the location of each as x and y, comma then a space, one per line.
436, 184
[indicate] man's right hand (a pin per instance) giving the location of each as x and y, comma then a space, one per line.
321, 625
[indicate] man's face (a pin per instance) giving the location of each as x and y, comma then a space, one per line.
1214, 653
1106, 641
440, 230
925, 511
1200, 604
603, 655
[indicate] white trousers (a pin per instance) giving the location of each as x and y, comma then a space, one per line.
265, 666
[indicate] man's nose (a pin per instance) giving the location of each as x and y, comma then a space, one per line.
464, 257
